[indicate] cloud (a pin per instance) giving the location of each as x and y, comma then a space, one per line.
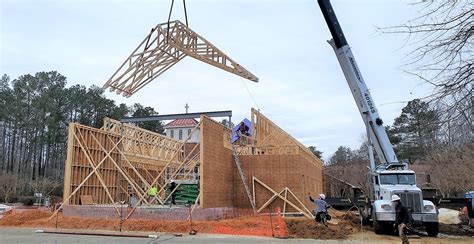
301, 87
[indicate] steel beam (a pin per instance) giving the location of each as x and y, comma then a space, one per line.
227, 113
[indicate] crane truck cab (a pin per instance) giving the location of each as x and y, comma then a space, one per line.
397, 179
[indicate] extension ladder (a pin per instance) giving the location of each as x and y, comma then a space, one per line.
242, 176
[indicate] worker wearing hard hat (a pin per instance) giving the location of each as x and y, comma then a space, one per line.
321, 206
402, 218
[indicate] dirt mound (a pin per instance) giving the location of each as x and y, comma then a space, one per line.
304, 228
351, 218
22, 218
336, 213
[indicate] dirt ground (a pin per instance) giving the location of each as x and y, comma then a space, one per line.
370, 236
347, 226
253, 226
342, 227
456, 230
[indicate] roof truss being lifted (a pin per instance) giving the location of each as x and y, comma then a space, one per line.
157, 53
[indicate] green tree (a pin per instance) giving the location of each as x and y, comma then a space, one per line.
120, 111
75, 107
35, 111
137, 110
343, 155
315, 151
415, 131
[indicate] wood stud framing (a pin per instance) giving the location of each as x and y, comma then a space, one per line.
120, 159
300, 207
269, 139
163, 48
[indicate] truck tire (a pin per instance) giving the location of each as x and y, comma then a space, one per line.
432, 228
378, 227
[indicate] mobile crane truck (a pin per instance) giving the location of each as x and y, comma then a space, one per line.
389, 177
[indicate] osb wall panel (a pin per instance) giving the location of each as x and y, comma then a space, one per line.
278, 171
217, 166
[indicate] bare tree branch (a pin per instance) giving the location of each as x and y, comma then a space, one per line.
441, 54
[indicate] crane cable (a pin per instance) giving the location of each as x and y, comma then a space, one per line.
187, 24
169, 17
250, 94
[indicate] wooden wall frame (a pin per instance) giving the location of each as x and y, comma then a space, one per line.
119, 159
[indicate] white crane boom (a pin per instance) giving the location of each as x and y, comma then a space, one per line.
374, 124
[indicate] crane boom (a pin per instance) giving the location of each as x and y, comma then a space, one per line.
374, 124
379, 209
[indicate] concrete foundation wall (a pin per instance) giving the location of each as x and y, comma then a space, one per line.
165, 214
217, 167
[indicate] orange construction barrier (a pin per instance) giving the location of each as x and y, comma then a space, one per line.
282, 226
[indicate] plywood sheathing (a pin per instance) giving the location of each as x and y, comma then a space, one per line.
280, 162
217, 166
278, 172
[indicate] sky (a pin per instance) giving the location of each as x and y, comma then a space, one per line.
283, 42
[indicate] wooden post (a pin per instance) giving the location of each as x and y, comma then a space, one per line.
69, 161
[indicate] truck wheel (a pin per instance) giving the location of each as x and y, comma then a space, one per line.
432, 228
378, 228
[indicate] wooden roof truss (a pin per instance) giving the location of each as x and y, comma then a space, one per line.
166, 45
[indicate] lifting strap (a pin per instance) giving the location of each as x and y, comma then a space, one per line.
169, 16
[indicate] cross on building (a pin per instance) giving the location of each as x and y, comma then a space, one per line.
186, 107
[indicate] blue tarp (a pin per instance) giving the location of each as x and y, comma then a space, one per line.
236, 128
469, 194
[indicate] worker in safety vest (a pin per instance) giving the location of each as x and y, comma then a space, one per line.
152, 192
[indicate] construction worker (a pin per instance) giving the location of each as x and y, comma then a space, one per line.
321, 206
402, 218
132, 200
152, 192
171, 188
244, 129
